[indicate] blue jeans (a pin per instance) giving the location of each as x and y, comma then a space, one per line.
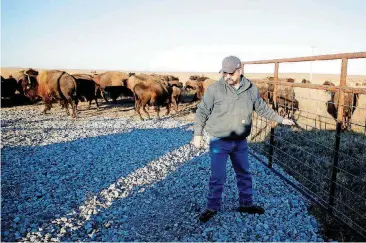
220, 150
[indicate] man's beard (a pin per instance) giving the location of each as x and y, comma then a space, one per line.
231, 81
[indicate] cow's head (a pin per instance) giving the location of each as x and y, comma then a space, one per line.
194, 77
199, 90
176, 83
28, 84
172, 78
191, 85
330, 84
201, 79
31, 72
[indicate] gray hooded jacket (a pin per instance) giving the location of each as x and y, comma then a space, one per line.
227, 113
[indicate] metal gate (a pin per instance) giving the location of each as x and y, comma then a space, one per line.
329, 165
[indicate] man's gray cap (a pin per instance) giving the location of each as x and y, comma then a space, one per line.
230, 64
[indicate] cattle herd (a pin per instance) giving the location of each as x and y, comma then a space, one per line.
68, 90
145, 89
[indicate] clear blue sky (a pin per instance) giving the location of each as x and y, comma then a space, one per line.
179, 35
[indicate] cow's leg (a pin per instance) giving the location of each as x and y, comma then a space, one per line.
62, 104
175, 104
348, 122
153, 102
47, 106
73, 101
168, 107
104, 97
102, 93
73, 106
114, 95
136, 105
96, 102
147, 113
344, 125
157, 109
76, 104
137, 108
66, 103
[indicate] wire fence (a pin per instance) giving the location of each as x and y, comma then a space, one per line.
326, 150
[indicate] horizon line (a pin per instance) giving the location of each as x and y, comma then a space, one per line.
157, 71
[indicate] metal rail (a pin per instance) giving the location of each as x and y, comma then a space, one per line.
353, 55
341, 90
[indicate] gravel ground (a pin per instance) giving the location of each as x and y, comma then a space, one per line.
113, 178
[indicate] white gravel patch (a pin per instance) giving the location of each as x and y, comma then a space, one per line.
120, 179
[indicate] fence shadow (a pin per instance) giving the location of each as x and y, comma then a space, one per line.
149, 208
307, 155
40, 183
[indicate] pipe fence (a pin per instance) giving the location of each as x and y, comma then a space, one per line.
326, 150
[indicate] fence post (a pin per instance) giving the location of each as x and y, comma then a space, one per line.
273, 124
315, 123
343, 83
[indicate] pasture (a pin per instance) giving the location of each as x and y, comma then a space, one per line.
96, 178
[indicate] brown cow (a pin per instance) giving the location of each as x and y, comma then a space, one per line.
286, 102
175, 83
263, 90
328, 83
130, 83
87, 88
350, 104
199, 86
194, 77
52, 86
25, 77
164, 77
285, 92
287, 107
152, 92
176, 96
191, 85
171, 78
198, 78
111, 82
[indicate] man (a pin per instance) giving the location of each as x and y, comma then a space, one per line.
226, 113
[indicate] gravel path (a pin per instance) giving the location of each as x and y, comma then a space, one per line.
105, 178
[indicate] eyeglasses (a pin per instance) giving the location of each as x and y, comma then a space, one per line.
231, 74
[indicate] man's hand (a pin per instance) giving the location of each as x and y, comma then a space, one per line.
288, 122
198, 141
